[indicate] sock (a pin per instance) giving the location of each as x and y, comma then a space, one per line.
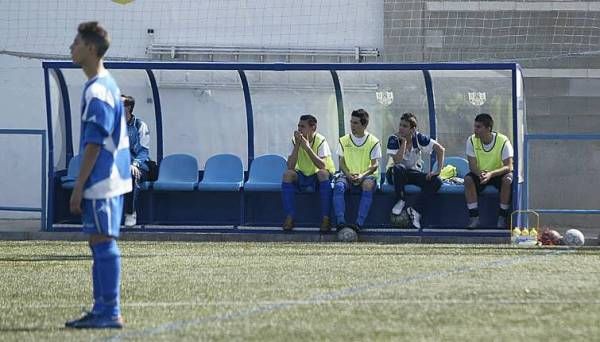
339, 204
473, 210
108, 260
366, 198
98, 307
288, 191
325, 191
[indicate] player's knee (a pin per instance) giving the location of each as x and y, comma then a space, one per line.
399, 170
469, 180
339, 187
507, 179
368, 185
289, 176
322, 175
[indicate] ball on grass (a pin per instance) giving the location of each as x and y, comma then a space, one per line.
574, 237
347, 235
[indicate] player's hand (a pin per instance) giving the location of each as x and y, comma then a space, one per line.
303, 142
135, 172
75, 202
484, 177
430, 175
297, 136
355, 178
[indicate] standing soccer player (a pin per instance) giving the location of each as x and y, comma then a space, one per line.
104, 175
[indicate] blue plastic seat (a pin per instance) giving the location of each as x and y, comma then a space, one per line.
177, 172
266, 173
222, 172
462, 168
68, 181
461, 164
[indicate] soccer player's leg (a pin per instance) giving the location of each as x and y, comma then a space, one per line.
397, 175
504, 185
288, 193
472, 188
324, 179
366, 198
101, 219
428, 188
340, 186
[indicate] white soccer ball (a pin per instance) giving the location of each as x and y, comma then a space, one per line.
574, 237
347, 235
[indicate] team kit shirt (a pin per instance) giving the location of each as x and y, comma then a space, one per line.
413, 159
375, 153
103, 123
507, 150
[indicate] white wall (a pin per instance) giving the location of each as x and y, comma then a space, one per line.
42, 27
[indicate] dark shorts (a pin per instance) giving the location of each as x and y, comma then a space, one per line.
307, 183
494, 181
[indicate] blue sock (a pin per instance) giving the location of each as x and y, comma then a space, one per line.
108, 262
98, 307
339, 204
325, 190
366, 198
288, 191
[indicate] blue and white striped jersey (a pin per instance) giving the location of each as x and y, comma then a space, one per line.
103, 123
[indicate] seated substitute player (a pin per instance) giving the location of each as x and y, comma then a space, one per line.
405, 148
139, 148
359, 154
104, 175
490, 157
309, 165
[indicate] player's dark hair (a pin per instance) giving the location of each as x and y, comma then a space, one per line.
485, 119
128, 101
362, 115
410, 118
311, 119
92, 33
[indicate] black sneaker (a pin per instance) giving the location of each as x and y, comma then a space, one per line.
86, 317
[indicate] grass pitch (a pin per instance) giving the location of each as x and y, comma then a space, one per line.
275, 291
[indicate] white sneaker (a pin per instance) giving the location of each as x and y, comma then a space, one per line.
397, 209
415, 216
130, 220
473, 222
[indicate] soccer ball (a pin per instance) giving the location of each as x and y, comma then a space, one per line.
347, 235
122, 2
574, 237
550, 237
401, 221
